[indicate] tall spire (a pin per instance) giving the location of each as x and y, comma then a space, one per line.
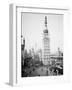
46, 44
46, 21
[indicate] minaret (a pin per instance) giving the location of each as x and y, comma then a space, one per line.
46, 44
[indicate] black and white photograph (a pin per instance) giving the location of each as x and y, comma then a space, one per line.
41, 44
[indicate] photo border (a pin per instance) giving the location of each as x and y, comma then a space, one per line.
13, 74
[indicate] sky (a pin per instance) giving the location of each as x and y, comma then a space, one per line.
33, 26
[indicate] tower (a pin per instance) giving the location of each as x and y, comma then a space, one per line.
22, 43
22, 49
46, 44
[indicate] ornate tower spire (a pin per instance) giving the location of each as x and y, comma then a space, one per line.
46, 29
46, 21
